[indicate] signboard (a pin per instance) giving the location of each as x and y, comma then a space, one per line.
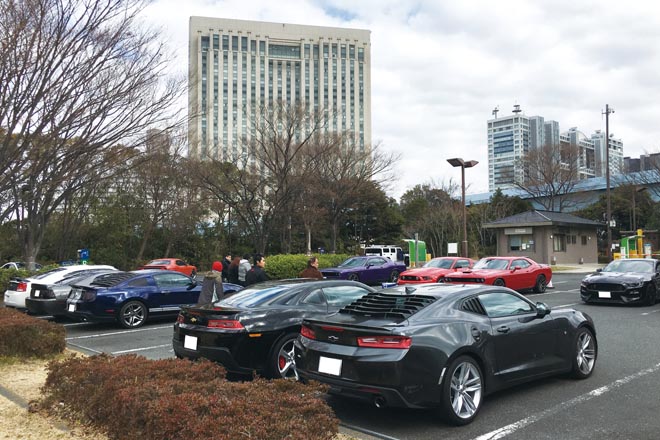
452, 248
518, 231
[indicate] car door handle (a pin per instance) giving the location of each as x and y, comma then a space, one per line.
503, 329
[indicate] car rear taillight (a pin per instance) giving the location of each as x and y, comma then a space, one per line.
228, 324
88, 295
307, 332
21, 287
400, 342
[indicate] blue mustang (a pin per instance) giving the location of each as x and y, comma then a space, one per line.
131, 297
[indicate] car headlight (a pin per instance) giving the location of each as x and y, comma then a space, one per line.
426, 278
634, 283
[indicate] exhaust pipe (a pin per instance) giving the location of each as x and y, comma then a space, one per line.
379, 402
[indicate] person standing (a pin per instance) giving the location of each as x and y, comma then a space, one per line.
257, 274
312, 270
226, 262
212, 285
233, 270
243, 268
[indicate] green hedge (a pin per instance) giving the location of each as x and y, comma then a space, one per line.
24, 336
289, 266
131, 397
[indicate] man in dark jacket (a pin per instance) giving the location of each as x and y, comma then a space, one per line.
257, 273
212, 290
225, 268
312, 270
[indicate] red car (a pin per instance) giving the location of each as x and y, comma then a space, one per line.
517, 273
171, 264
434, 270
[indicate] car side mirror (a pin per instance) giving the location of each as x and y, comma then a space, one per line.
599, 270
513, 269
542, 310
193, 283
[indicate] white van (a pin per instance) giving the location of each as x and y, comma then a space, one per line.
394, 253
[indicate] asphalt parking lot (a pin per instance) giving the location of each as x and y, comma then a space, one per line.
620, 400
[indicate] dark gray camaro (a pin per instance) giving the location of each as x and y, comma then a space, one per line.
441, 345
625, 281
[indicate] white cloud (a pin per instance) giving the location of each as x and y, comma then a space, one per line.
439, 68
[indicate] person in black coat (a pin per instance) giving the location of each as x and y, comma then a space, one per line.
226, 262
257, 274
212, 290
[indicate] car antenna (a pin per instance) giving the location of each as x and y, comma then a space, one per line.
410, 290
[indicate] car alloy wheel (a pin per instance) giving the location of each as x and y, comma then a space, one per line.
585, 354
462, 391
540, 285
284, 365
651, 293
132, 314
353, 277
499, 282
394, 276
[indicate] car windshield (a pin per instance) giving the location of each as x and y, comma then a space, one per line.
353, 262
442, 263
491, 263
636, 266
158, 263
248, 298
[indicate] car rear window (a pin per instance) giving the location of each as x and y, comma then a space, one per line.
158, 263
387, 305
248, 298
112, 279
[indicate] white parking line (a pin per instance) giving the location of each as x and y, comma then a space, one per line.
565, 305
133, 350
651, 312
510, 429
98, 335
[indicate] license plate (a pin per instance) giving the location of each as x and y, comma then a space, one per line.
604, 295
37, 293
190, 342
72, 308
329, 366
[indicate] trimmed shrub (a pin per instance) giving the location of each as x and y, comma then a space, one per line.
290, 265
24, 336
134, 397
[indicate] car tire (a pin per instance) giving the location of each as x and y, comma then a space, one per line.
651, 294
540, 285
133, 314
586, 352
499, 282
462, 391
394, 276
353, 277
281, 362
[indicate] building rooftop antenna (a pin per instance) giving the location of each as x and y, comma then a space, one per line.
495, 110
516, 109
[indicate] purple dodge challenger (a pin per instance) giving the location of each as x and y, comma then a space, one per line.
368, 270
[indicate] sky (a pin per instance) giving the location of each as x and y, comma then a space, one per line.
440, 67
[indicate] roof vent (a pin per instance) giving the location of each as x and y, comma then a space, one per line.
410, 290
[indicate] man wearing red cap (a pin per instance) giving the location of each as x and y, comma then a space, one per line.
212, 286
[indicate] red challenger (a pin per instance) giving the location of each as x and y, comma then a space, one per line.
172, 264
517, 273
434, 270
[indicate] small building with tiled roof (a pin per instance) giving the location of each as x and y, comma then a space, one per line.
547, 237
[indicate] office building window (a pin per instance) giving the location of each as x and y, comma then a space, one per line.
559, 243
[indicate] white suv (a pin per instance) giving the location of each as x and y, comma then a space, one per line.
19, 288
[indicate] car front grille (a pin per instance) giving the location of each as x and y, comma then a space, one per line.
606, 287
408, 278
330, 274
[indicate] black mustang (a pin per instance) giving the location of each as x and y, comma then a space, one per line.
633, 280
441, 345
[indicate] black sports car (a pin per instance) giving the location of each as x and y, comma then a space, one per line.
442, 345
254, 329
50, 299
633, 280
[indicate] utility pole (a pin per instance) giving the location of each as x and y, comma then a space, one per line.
607, 112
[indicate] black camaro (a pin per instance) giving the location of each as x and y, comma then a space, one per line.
254, 329
625, 281
441, 345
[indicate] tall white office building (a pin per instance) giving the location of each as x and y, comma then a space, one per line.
236, 66
508, 142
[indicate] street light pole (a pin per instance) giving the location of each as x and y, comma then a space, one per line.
458, 162
607, 112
